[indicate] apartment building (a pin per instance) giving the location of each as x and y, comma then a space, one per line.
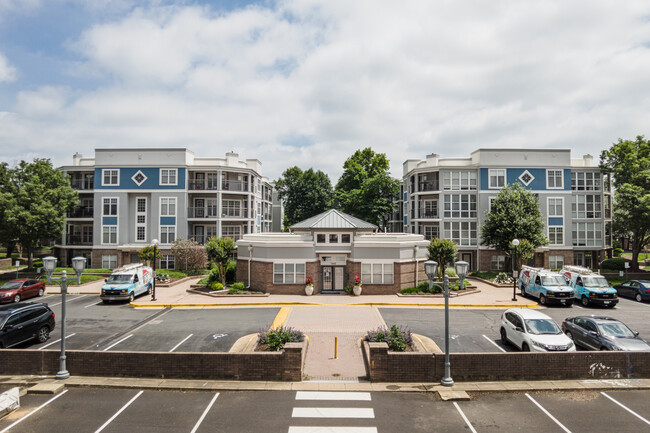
449, 198
128, 197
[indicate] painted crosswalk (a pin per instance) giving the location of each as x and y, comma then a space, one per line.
332, 413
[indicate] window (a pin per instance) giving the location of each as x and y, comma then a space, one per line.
232, 208
459, 180
587, 234
463, 233
345, 239
490, 203
556, 262
586, 206
497, 178
431, 232
334, 239
109, 235
320, 238
585, 181
167, 206
555, 179
377, 273
233, 232
288, 273
556, 235
167, 262
109, 261
110, 177
168, 176
167, 234
140, 219
460, 206
141, 234
498, 263
110, 207
555, 208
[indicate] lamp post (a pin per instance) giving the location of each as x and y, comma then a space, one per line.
431, 269
515, 268
78, 264
154, 242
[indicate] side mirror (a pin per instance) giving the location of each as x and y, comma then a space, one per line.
636, 333
106, 280
519, 329
594, 333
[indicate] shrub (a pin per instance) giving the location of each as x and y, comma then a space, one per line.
618, 252
614, 264
451, 272
348, 289
188, 254
410, 290
397, 338
231, 271
503, 277
486, 275
215, 286
278, 337
233, 291
238, 286
424, 287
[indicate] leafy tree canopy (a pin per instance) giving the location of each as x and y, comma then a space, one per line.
146, 254
515, 214
219, 250
444, 252
305, 194
628, 162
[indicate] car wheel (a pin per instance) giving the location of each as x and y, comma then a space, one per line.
17, 298
131, 297
585, 301
638, 297
43, 334
570, 335
525, 348
41, 291
504, 337
542, 300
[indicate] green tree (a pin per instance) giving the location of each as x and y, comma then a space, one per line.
365, 189
7, 191
628, 163
219, 251
188, 254
146, 254
37, 209
515, 214
305, 194
443, 251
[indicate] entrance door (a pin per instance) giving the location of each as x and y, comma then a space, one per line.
198, 235
333, 278
467, 257
199, 208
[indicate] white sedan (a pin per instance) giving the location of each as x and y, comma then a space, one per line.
530, 330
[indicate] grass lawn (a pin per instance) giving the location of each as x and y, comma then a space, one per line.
72, 279
642, 256
486, 275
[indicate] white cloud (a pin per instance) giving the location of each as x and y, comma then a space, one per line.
7, 71
407, 79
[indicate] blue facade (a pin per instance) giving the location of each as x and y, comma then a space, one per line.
109, 221
512, 176
152, 174
167, 221
556, 221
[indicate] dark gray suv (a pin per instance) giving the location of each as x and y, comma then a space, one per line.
24, 322
602, 333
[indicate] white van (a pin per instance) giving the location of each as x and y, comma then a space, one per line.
127, 282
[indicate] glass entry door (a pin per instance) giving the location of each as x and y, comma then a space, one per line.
333, 278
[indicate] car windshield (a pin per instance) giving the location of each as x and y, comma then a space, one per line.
11, 285
553, 281
120, 278
542, 326
595, 282
615, 330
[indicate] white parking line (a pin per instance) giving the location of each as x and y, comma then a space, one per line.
118, 412
115, 344
205, 412
48, 296
549, 415
68, 300
332, 412
332, 429
492, 341
627, 409
469, 424
338, 396
56, 341
34, 411
184, 340
90, 305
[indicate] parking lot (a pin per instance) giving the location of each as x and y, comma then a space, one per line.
92, 325
131, 410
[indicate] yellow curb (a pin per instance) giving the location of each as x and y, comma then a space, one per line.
379, 304
280, 318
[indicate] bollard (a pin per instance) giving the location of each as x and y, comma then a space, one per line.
336, 340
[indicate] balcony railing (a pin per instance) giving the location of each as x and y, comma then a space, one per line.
428, 213
234, 212
233, 237
235, 185
85, 212
82, 184
199, 239
202, 212
79, 240
432, 185
203, 185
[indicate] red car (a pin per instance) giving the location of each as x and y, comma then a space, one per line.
15, 290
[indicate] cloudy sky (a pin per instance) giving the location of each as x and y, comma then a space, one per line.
307, 82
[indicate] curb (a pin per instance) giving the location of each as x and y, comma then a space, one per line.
377, 304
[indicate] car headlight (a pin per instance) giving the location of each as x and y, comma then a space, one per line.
6, 295
615, 347
538, 344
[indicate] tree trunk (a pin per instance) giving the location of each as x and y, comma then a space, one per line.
636, 247
10, 249
30, 259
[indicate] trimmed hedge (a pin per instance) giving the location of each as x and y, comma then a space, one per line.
615, 264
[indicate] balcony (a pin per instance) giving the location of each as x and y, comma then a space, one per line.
82, 184
199, 239
424, 213
84, 212
432, 185
202, 212
234, 212
203, 185
79, 240
235, 185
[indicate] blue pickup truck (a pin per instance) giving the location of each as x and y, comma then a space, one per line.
127, 282
547, 286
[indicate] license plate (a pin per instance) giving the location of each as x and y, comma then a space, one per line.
563, 301
111, 298
606, 302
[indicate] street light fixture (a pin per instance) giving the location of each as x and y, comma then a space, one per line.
154, 242
515, 268
78, 264
431, 269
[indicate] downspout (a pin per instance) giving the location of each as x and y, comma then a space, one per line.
415, 256
250, 257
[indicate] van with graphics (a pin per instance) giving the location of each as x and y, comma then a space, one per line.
547, 286
589, 287
127, 282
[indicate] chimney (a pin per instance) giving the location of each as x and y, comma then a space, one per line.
76, 158
589, 160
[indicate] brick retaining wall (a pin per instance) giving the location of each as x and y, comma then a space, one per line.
385, 366
286, 365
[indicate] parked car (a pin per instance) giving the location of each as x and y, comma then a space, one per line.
25, 322
548, 286
602, 333
635, 289
589, 287
531, 330
15, 290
